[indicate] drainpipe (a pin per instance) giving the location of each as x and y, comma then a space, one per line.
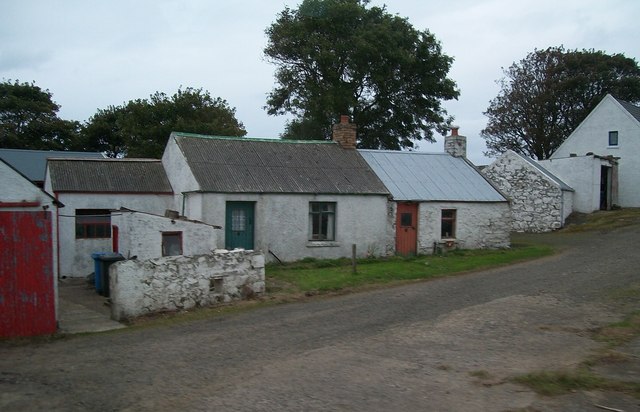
58, 235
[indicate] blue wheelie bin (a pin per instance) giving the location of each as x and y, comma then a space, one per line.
97, 270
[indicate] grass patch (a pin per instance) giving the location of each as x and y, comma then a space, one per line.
561, 382
319, 276
604, 220
621, 332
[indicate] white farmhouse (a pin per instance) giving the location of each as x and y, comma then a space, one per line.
612, 129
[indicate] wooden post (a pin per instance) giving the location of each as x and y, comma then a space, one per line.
353, 258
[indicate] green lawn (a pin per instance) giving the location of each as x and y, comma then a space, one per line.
315, 276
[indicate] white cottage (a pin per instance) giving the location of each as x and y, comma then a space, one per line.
612, 129
290, 199
440, 200
91, 189
540, 201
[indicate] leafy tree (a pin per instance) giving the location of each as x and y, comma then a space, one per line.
141, 128
29, 119
338, 57
545, 96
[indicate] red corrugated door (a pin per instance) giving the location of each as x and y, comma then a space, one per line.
406, 228
27, 297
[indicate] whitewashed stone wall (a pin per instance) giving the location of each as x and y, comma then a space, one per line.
183, 282
478, 225
536, 201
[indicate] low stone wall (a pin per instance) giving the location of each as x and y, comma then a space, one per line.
183, 282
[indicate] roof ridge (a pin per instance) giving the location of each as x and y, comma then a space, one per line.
251, 139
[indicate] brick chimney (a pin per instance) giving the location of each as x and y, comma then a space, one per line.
344, 133
455, 144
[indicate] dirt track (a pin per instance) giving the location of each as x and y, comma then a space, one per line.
449, 344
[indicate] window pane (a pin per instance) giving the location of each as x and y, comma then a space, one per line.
322, 220
238, 220
171, 244
448, 224
93, 223
406, 219
613, 138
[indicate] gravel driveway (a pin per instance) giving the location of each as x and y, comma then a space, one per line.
443, 345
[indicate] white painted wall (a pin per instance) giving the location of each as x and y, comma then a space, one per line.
282, 223
75, 254
140, 234
592, 135
582, 173
478, 225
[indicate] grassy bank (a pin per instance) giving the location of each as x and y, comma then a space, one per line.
319, 276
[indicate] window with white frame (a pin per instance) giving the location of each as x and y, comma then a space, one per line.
613, 138
322, 220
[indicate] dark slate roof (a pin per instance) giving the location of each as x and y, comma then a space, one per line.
632, 109
419, 176
243, 165
33, 163
109, 176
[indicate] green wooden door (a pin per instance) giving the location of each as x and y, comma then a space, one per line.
239, 225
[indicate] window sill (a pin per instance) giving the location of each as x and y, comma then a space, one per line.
322, 243
613, 147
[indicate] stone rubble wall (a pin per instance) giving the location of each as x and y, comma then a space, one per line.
536, 201
184, 282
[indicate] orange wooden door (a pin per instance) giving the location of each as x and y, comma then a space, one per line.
406, 228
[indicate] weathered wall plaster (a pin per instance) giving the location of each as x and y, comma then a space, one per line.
183, 282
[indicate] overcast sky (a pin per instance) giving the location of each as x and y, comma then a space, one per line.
91, 54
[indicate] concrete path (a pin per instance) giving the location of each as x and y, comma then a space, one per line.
82, 310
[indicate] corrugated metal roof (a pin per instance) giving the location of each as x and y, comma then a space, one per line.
543, 170
242, 165
33, 163
109, 175
417, 176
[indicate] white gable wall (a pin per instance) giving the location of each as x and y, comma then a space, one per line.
592, 135
282, 223
178, 172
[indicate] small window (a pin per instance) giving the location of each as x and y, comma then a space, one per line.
613, 138
93, 224
322, 220
406, 219
448, 224
171, 243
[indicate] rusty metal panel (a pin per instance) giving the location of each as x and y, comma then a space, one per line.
27, 296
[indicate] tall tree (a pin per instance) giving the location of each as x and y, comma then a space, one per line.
545, 96
29, 119
338, 57
141, 128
